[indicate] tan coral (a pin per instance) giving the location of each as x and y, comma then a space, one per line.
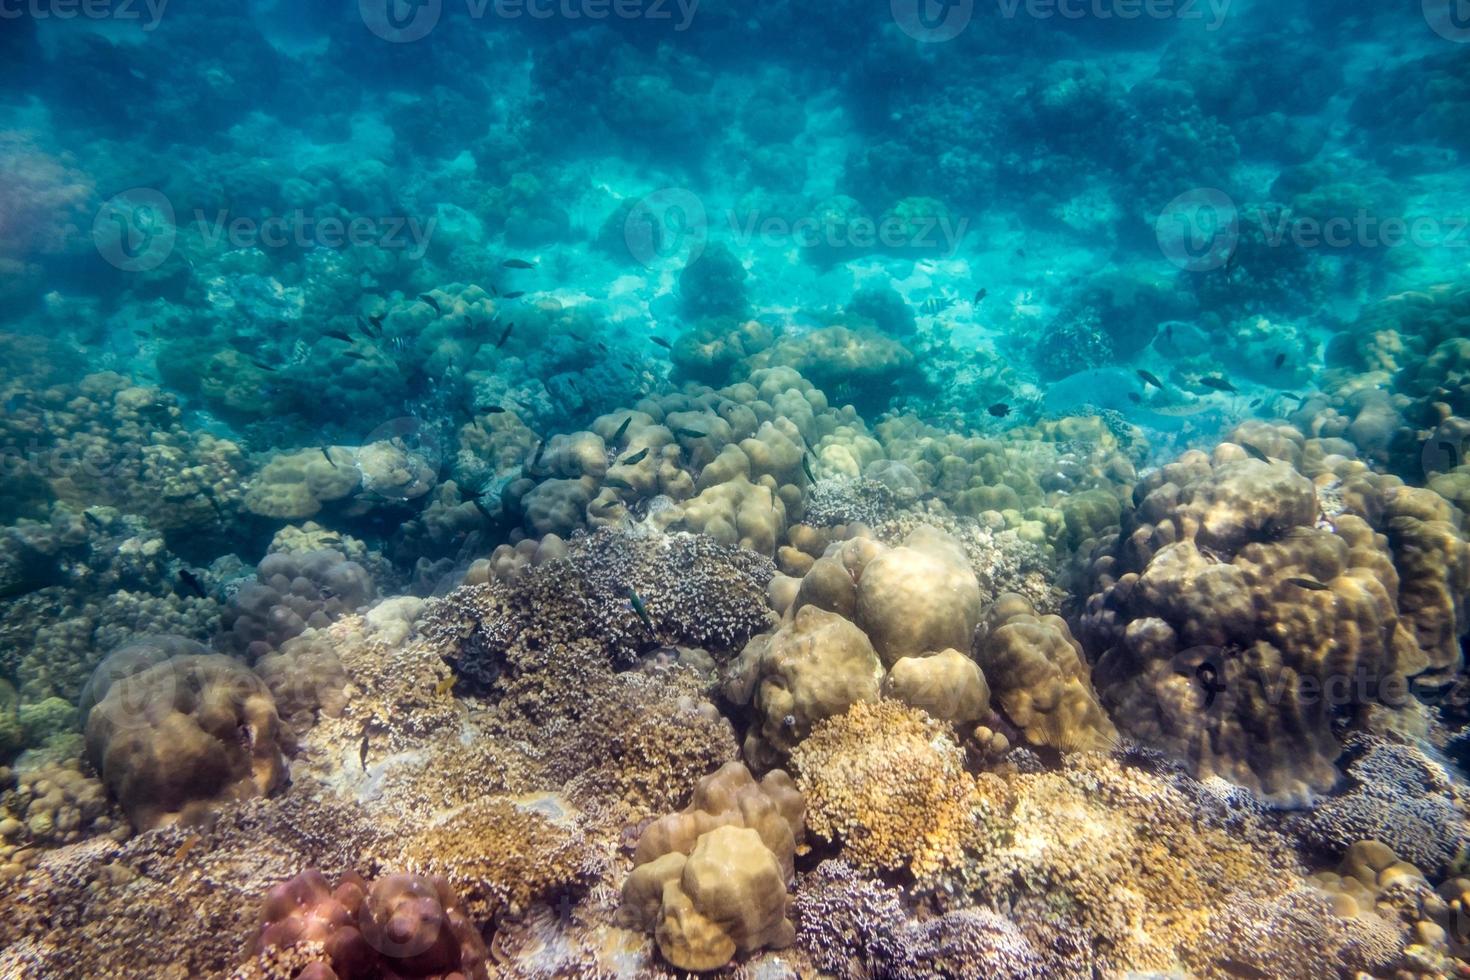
710, 881
1041, 679
890, 784
815, 666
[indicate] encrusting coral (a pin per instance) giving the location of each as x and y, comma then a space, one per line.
890, 784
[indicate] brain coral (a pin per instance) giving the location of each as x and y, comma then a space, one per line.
184, 733
1232, 621
710, 881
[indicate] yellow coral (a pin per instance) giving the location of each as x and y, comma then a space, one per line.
889, 782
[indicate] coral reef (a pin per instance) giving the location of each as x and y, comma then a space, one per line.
1232, 618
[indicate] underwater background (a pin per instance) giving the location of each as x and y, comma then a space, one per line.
641, 488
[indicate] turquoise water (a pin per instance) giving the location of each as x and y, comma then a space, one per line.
436, 429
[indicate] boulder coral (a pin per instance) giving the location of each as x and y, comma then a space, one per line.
398, 926
184, 734
1041, 678
816, 666
1246, 604
710, 882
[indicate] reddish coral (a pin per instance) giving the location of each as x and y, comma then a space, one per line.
401, 926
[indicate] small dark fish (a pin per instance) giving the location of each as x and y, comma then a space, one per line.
93, 519
518, 264
1000, 410
432, 302
362, 750
504, 336
1310, 584
328, 457
634, 459
1135, 397
376, 321
142, 333
1219, 384
1169, 332
367, 329
515, 295
540, 448
1020, 253
689, 434
1258, 403
1255, 452
484, 511
264, 366
1279, 360
1150, 379
636, 602
614, 482
493, 410
662, 343
356, 355
339, 335
192, 583
980, 296
622, 429
806, 467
